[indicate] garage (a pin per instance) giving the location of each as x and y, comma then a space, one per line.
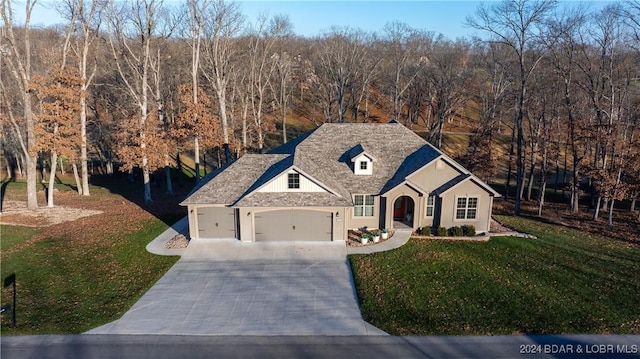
216, 222
293, 225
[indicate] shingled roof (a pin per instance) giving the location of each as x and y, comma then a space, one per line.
229, 184
325, 154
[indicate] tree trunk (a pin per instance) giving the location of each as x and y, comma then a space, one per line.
555, 187
109, 167
20, 172
610, 216
543, 187
530, 180
633, 204
83, 147
61, 164
77, 178
167, 170
179, 166
597, 209
509, 168
52, 179
10, 172
196, 157
43, 172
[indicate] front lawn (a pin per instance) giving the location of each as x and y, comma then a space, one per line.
67, 287
83, 273
565, 281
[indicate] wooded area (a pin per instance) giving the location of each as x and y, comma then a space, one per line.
546, 91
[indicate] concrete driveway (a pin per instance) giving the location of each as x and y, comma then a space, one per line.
226, 287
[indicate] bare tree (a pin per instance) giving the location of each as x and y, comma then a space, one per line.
403, 46
16, 54
133, 28
223, 21
262, 66
84, 18
493, 83
517, 24
197, 13
341, 57
449, 76
281, 86
563, 50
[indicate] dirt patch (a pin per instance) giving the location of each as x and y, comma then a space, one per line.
16, 213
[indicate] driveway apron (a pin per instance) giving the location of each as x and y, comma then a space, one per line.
226, 287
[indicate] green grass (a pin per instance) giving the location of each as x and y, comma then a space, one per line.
565, 281
69, 286
11, 236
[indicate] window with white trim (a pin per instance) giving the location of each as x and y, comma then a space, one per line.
293, 180
466, 207
364, 165
363, 205
431, 200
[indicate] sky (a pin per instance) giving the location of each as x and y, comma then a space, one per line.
312, 18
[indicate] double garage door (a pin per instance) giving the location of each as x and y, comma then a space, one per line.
293, 225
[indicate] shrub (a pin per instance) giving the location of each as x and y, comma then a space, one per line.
425, 231
456, 231
469, 230
441, 232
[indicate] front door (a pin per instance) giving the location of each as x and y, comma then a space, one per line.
399, 209
403, 209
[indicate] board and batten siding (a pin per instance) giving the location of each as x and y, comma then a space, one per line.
281, 184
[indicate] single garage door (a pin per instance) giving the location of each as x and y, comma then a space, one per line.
216, 222
293, 225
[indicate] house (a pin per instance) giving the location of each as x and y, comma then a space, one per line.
335, 178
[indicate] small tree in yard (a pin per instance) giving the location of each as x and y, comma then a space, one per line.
142, 144
56, 128
196, 122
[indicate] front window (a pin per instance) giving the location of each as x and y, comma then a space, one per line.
294, 180
430, 205
363, 165
466, 207
363, 205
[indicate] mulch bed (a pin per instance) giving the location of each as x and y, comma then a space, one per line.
353, 238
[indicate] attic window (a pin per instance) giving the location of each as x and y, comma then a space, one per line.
364, 165
293, 180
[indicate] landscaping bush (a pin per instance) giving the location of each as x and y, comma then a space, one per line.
456, 231
441, 232
469, 230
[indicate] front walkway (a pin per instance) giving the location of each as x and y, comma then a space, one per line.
399, 238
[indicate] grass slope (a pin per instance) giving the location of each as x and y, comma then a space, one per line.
565, 281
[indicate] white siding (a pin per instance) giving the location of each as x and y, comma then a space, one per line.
281, 184
356, 165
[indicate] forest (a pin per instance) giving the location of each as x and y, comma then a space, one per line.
545, 95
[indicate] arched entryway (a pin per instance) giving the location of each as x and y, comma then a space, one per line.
404, 210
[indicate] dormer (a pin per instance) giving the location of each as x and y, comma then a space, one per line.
362, 161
